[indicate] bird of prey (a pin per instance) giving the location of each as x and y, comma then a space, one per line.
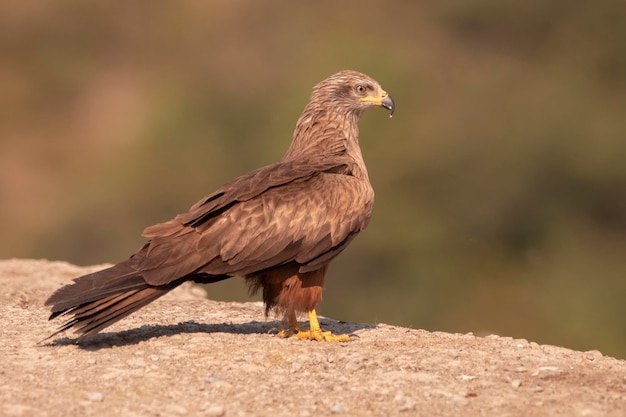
278, 226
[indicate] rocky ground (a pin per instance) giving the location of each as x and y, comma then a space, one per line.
186, 355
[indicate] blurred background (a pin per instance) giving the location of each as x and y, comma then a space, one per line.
500, 181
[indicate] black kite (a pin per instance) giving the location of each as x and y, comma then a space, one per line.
279, 226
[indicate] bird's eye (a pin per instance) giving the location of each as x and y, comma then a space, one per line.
360, 89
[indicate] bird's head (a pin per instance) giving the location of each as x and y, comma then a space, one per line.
353, 92
329, 122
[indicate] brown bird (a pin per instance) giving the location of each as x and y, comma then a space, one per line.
278, 226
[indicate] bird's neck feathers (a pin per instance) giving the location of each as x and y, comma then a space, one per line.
322, 130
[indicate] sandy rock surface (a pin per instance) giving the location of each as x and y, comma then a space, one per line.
189, 356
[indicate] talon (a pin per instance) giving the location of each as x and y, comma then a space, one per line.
322, 336
284, 334
314, 333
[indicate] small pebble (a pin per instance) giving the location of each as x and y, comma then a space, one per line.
95, 396
516, 383
459, 400
337, 408
542, 370
136, 363
592, 355
404, 403
215, 411
218, 382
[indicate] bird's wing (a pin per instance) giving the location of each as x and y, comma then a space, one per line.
300, 210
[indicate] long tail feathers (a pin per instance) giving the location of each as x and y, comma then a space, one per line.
98, 300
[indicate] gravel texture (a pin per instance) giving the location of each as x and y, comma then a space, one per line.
189, 356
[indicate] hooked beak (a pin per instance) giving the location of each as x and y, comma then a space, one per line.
389, 104
384, 100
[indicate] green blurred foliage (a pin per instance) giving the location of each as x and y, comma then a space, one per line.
500, 181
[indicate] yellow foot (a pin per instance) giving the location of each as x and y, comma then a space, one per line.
314, 333
321, 336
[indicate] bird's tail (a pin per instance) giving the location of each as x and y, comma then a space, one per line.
97, 300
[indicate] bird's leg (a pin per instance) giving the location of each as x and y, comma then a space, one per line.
293, 328
315, 331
